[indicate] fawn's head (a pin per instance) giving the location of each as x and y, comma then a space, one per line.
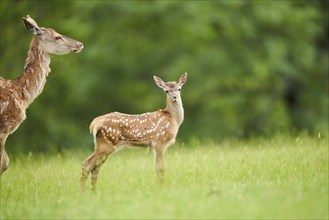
51, 41
171, 88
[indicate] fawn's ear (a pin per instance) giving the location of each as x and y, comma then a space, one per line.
182, 79
159, 82
31, 25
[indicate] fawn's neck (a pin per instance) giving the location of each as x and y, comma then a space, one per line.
176, 110
33, 79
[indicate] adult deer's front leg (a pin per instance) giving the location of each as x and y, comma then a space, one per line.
4, 159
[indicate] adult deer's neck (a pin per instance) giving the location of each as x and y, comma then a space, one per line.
33, 79
176, 110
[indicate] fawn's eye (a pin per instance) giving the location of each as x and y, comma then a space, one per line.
58, 38
166, 91
179, 89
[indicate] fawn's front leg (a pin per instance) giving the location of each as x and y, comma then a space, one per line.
159, 163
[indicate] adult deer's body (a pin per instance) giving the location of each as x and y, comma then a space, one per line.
157, 130
16, 95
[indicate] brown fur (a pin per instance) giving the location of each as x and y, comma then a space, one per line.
156, 130
16, 95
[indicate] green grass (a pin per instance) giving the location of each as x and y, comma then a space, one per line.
263, 178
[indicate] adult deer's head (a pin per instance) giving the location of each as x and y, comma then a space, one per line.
51, 41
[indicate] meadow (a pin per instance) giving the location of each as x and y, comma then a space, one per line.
278, 178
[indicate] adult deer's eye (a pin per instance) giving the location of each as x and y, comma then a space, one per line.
58, 38
179, 89
166, 91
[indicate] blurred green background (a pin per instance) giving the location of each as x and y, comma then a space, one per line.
256, 68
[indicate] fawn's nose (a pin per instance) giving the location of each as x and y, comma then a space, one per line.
174, 98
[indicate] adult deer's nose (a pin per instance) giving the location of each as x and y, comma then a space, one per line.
79, 46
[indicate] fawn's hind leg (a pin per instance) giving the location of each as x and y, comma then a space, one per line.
87, 165
92, 165
103, 148
94, 172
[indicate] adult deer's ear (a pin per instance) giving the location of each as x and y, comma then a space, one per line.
31, 25
159, 82
182, 79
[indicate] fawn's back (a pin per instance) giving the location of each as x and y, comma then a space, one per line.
148, 129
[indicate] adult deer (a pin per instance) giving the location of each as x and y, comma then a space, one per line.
157, 130
16, 95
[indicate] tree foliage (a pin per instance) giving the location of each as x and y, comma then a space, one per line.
255, 67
